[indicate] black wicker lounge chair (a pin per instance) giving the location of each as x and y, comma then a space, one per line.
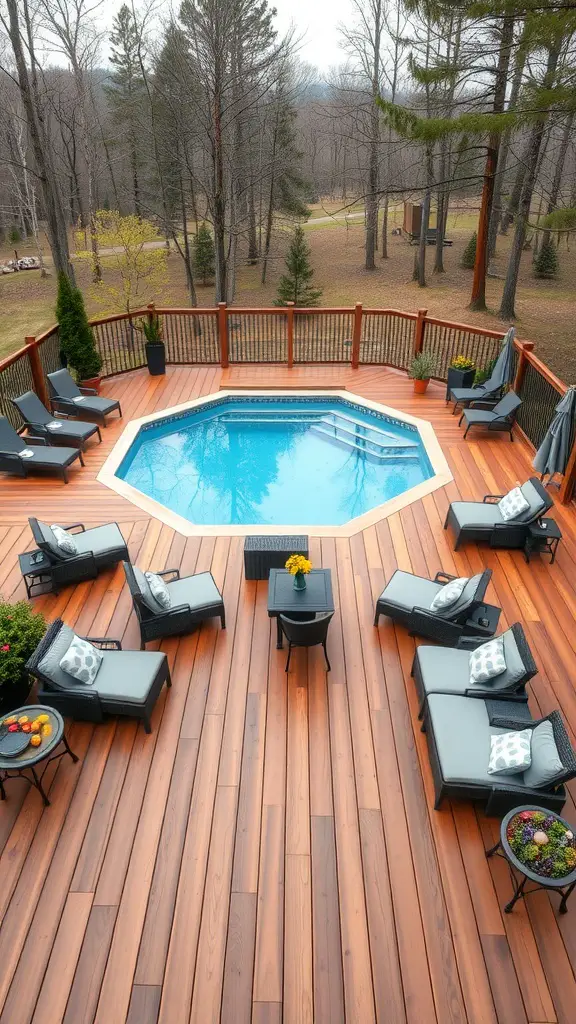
70, 433
491, 389
66, 396
24, 455
407, 599
483, 521
128, 682
458, 731
308, 633
98, 548
447, 670
500, 418
193, 599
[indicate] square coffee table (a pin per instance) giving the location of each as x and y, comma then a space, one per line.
298, 604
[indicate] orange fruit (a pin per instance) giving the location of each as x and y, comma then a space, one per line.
10, 721
36, 740
46, 730
26, 727
35, 727
23, 719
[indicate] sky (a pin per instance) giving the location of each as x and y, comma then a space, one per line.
317, 22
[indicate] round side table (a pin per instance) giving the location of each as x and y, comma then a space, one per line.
15, 767
564, 885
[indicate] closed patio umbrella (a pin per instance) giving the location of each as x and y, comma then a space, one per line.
503, 371
552, 455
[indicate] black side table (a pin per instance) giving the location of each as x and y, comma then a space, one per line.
544, 536
483, 621
15, 767
565, 885
37, 572
298, 604
270, 552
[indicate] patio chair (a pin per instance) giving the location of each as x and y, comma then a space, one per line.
309, 633
24, 455
66, 396
192, 599
97, 548
458, 731
71, 433
499, 418
127, 683
447, 670
407, 598
490, 389
483, 521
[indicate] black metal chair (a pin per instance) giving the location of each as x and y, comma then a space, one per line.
499, 417
71, 433
24, 455
97, 548
482, 520
406, 598
193, 599
307, 633
66, 396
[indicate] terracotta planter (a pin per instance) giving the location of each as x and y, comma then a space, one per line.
420, 386
93, 382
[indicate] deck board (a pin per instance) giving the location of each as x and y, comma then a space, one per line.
270, 852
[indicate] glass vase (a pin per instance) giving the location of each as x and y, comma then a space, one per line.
299, 581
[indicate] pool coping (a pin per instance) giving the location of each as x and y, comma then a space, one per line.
442, 474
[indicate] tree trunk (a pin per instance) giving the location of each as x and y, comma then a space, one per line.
557, 179
507, 311
514, 198
385, 227
497, 211
424, 224
373, 164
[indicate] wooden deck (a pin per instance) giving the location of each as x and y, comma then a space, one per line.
270, 852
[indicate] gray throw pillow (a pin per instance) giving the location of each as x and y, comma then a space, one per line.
513, 504
159, 589
82, 661
487, 661
546, 764
65, 541
509, 753
144, 588
448, 594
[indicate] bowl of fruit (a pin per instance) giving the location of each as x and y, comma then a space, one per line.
17, 732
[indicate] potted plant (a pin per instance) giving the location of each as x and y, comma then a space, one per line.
155, 349
21, 630
77, 343
423, 366
298, 566
461, 373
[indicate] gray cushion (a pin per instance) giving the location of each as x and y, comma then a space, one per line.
476, 513
144, 588
82, 661
510, 753
466, 599
462, 734
96, 403
515, 668
65, 541
535, 501
546, 764
197, 591
127, 676
49, 666
487, 661
159, 590
448, 595
513, 504
444, 669
100, 539
49, 542
410, 591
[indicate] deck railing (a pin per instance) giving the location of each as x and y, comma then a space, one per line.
290, 336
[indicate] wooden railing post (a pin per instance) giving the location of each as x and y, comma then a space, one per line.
355, 358
223, 334
290, 331
37, 371
419, 332
524, 346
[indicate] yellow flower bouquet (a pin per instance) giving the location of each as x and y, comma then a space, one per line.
298, 566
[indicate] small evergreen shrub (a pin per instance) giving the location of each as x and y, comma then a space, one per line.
296, 286
76, 337
469, 255
14, 237
546, 262
21, 630
203, 254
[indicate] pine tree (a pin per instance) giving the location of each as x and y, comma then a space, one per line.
469, 255
295, 286
546, 262
77, 343
204, 254
127, 93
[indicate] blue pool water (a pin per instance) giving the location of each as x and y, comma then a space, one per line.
278, 462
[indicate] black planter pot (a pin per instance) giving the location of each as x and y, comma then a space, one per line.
15, 696
459, 379
156, 358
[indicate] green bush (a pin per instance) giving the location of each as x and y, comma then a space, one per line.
21, 630
423, 366
485, 373
204, 254
546, 262
469, 255
14, 236
296, 286
76, 337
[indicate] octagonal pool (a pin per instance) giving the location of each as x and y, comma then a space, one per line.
275, 461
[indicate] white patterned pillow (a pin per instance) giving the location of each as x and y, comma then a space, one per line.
513, 504
487, 661
448, 594
159, 589
64, 540
510, 753
82, 661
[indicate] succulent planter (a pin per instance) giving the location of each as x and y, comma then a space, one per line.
459, 379
156, 358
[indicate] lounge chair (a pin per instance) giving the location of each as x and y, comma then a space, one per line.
127, 683
24, 455
71, 433
407, 598
192, 599
499, 418
483, 521
66, 396
97, 548
494, 386
308, 633
447, 670
458, 731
